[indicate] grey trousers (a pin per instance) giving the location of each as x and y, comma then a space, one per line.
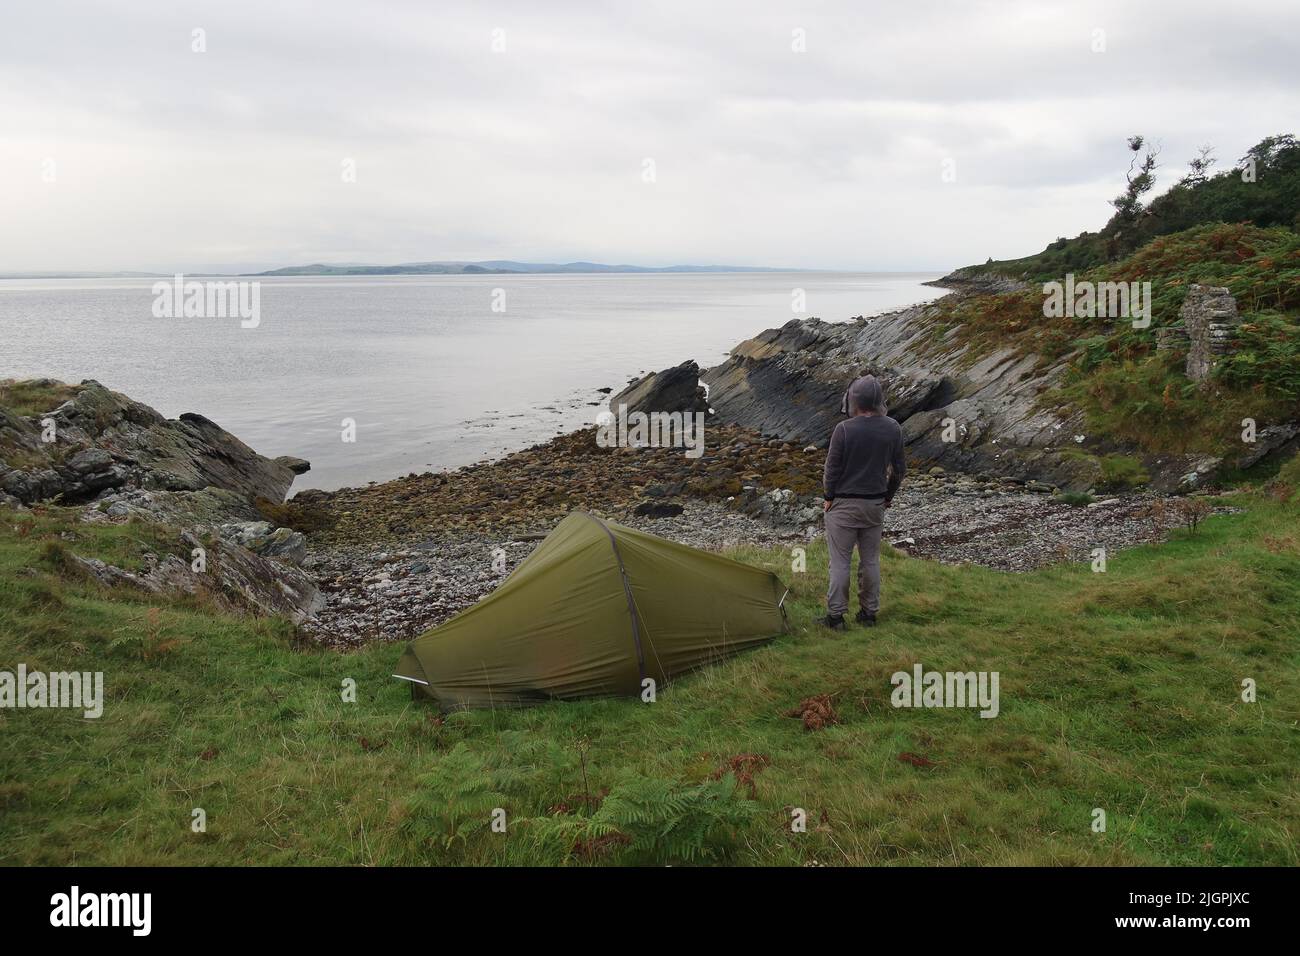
854, 522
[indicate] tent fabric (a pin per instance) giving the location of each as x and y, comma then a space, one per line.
592, 611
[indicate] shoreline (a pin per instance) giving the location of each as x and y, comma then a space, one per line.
407, 555
394, 557
412, 364
573, 401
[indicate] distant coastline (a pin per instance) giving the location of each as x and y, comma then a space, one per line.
449, 267
497, 267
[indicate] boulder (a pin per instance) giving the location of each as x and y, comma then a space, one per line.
299, 466
1280, 440
89, 461
671, 390
261, 538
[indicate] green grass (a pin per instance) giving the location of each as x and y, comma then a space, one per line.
34, 397
1118, 690
1129, 391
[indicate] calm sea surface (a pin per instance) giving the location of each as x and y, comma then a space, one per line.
432, 376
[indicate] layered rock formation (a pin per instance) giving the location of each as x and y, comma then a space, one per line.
990, 412
976, 413
972, 281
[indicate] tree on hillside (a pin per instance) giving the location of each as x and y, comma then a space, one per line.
1140, 176
1198, 168
1268, 196
1272, 152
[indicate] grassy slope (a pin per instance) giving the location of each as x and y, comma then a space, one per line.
1134, 394
1119, 690
33, 397
1221, 230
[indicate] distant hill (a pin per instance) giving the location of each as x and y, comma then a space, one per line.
495, 267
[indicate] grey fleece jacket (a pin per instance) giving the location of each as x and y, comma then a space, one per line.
865, 459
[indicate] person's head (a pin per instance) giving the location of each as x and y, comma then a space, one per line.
866, 397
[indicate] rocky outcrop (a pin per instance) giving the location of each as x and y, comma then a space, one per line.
100, 440
261, 537
1278, 442
232, 577
189, 474
974, 281
965, 407
206, 509
970, 412
672, 390
251, 566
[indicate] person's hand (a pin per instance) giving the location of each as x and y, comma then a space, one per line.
888, 502
826, 505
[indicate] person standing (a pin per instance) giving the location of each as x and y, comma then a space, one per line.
864, 467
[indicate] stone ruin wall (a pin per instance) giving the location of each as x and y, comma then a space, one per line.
1208, 329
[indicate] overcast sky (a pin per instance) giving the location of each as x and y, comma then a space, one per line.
162, 158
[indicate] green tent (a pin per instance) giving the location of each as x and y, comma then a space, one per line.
594, 610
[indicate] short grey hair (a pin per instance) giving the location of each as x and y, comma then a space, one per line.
867, 395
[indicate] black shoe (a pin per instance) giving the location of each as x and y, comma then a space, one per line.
865, 619
834, 621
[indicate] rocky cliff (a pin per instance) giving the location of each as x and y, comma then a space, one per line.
88, 445
100, 439
976, 413
968, 407
974, 281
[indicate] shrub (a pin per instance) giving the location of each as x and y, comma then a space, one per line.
666, 822
1267, 355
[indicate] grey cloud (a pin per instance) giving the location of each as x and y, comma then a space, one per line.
537, 152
